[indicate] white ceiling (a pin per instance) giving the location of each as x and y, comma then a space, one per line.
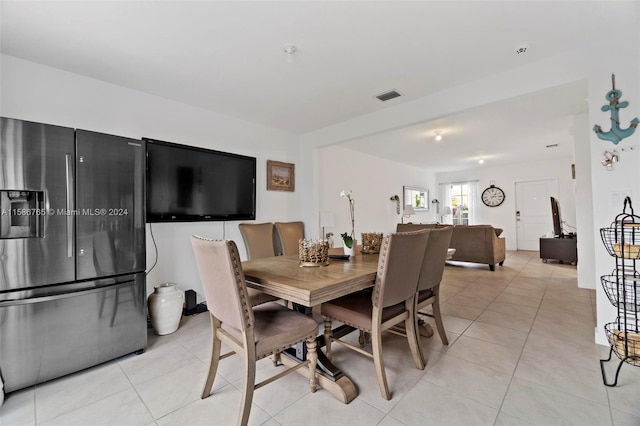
507, 132
228, 57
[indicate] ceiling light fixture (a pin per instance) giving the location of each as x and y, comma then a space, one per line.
290, 49
438, 135
522, 47
481, 161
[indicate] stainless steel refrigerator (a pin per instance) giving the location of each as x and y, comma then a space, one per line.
72, 250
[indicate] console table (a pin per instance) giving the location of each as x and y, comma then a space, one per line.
562, 249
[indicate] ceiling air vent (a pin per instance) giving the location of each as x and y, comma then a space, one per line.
553, 145
388, 95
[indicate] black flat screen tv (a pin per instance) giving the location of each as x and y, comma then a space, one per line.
188, 184
557, 219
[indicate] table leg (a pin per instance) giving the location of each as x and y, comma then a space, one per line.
424, 328
342, 389
330, 377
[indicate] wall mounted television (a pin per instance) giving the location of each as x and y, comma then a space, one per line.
189, 184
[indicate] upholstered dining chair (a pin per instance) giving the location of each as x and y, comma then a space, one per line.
391, 302
289, 234
258, 239
431, 276
252, 332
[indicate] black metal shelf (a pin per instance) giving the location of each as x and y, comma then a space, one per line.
622, 287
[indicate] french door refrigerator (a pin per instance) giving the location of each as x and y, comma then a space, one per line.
72, 250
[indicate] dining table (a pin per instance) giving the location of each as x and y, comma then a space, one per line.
306, 287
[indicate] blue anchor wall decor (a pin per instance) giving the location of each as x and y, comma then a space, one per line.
616, 134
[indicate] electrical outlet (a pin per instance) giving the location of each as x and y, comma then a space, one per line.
617, 197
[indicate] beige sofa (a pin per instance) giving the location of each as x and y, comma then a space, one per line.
473, 243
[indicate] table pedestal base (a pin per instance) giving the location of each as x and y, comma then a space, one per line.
424, 328
330, 377
342, 389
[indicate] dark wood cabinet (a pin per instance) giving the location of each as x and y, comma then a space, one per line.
562, 249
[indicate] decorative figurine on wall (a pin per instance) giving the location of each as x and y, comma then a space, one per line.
609, 159
396, 198
616, 134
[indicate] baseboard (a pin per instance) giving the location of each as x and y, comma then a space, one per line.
601, 338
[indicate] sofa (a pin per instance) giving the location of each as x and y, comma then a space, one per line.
473, 243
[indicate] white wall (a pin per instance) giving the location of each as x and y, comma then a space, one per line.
38, 93
505, 177
584, 222
373, 181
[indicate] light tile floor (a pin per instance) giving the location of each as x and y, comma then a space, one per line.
521, 352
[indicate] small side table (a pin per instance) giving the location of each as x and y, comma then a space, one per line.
562, 249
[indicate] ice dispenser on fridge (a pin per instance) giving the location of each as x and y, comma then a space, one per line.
22, 214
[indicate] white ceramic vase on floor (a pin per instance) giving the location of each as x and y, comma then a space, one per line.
165, 308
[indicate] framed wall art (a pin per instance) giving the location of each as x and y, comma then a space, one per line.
281, 176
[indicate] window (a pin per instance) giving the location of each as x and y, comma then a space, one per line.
458, 202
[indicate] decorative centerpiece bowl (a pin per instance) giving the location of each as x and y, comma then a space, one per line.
313, 253
371, 242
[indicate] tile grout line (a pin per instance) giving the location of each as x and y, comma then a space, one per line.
137, 393
516, 366
499, 409
542, 385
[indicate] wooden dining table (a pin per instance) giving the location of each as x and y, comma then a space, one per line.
306, 287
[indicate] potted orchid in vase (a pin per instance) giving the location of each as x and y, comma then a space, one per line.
349, 240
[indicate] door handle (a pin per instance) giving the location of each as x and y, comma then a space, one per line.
51, 297
69, 203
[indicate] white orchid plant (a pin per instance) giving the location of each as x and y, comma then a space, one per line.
349, 238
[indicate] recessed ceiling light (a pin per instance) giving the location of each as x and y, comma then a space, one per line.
289, 49
438, 135
522, 48
481, 161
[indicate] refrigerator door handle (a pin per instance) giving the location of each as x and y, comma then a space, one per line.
69, 206
48, 298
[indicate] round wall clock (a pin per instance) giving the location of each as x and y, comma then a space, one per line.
492, 196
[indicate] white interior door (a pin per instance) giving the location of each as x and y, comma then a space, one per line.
533, 211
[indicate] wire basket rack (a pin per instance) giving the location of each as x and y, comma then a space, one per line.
622, 241
624, 290
624, 338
